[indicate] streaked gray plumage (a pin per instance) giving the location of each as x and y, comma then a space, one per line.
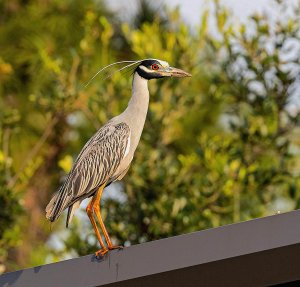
96, 164
106, 157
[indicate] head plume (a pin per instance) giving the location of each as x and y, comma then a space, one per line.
129, 64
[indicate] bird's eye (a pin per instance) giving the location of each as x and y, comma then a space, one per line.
154, 67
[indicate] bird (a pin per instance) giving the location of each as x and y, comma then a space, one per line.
108, 154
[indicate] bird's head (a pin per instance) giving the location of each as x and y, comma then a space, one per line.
154, 69
147, 69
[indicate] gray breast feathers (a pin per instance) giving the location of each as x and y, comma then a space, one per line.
96, 163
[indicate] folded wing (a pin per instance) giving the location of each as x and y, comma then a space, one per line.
96, 163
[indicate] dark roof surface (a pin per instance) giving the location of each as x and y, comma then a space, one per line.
260, 252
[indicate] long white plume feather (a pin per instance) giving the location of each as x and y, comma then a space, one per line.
127, 66
110, 65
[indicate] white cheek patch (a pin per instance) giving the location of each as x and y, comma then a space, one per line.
145, 69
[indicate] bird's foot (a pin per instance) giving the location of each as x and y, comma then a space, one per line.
112, 247
101, 252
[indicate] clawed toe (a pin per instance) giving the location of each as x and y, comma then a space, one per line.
115, 247
101, 253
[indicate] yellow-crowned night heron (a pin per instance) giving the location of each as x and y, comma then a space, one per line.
106, 157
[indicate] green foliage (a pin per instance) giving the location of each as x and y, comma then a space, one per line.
218, 148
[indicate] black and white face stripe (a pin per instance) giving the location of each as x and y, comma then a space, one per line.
151, 69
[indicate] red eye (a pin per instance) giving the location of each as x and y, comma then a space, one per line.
154, 67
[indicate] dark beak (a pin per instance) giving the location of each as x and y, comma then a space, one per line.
177, 73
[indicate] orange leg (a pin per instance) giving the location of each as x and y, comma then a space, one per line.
89, 211
96, 207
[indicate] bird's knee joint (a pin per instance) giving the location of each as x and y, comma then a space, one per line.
89, 209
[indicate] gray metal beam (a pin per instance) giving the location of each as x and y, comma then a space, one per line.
260, 252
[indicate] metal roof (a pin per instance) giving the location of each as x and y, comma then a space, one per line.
260, 252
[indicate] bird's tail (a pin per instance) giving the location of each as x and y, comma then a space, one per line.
50, 207
56, 205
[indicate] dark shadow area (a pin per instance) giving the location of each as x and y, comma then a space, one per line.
288, 284
37, 269
8, 279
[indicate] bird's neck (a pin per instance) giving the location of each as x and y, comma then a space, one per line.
136, 111
137, 107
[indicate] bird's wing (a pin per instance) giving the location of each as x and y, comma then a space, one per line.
97, 161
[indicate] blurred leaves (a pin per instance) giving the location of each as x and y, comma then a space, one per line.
66, 163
